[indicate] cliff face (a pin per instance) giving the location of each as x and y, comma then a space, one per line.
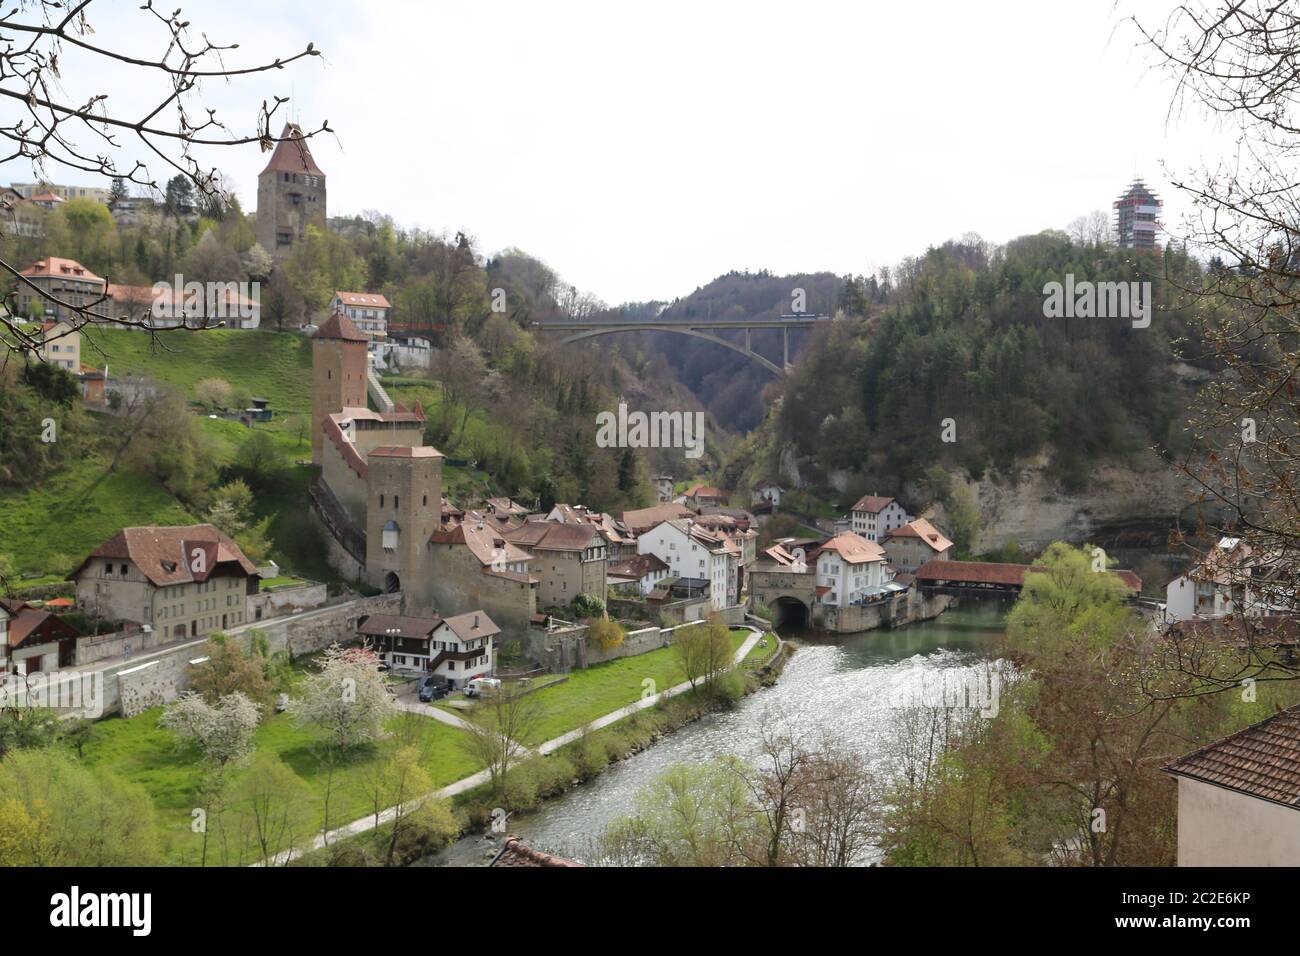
1035, 511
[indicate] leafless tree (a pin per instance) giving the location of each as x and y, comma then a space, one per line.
43, 43
497, 728
1240, 60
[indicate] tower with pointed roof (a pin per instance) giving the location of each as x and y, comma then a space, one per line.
290, 195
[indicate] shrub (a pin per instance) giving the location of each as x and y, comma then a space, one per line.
608, 634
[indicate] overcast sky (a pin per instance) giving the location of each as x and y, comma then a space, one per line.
642, 149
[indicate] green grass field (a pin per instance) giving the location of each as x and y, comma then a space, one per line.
271, 365
137, 749
604, 688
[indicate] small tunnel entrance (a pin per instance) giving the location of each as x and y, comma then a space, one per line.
790, 612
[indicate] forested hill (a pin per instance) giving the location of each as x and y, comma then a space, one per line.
962, 335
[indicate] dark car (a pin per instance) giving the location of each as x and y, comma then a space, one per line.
431, 688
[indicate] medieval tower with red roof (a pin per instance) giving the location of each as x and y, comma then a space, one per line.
290, 195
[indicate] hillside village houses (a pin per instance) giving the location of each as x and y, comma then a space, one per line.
367, 310
874, 516
767, 491
184, 581
694, 552
663, 488
915, 543
1230, 579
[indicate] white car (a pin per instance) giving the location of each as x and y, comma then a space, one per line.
482, 685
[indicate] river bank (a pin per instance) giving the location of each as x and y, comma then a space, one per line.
829, 681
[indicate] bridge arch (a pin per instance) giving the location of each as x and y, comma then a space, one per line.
790, 612
696, 333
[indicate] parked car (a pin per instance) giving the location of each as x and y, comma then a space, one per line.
482, 685
432, 688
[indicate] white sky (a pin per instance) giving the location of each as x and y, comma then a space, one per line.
643, 149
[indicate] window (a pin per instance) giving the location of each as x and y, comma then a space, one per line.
381, 501
396, 501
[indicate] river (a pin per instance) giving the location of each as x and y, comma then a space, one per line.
843, 683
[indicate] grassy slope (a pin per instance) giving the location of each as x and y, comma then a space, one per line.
68, 515
272, 365
73, 512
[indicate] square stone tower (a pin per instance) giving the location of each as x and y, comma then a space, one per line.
290, 195
403, 509
338, 374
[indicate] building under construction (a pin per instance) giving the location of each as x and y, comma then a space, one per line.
1137, 218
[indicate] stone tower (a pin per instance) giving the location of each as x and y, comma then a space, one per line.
403, 509
338, 375
290, 195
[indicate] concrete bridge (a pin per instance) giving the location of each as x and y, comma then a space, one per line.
585, 329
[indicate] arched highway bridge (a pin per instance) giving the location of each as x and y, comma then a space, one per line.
580, 329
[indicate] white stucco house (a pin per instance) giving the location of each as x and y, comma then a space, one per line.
691, 551
874, 516
849, 570
768, 491
458, 648
1231, 579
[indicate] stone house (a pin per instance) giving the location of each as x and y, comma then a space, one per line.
183, 582
570, 559
914, 544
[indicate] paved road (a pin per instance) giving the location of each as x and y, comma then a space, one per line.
482, 777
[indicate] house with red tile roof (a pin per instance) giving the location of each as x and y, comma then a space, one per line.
64, 285
1239, 798
34, 639
850, 570
914, 544
367, 310
184, 581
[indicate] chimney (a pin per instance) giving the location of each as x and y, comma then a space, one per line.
476, 622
